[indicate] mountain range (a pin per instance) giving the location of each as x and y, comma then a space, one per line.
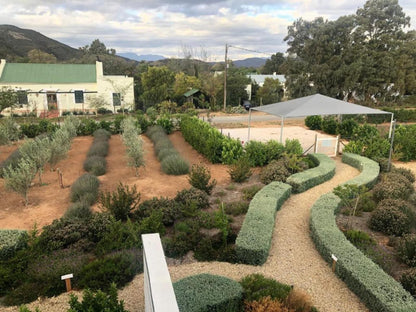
15, 43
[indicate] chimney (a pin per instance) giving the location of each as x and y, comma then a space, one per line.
99, 69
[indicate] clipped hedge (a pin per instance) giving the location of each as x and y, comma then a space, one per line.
253, 241
208, 293
209, 141
369, 169
377, 289
11, 241
307, 179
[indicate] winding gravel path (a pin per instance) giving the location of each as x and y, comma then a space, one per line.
293, 260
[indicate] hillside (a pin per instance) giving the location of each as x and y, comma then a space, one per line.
17, 42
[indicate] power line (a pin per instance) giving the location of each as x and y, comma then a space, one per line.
249, 50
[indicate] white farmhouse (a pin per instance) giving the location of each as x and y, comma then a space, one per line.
51, 89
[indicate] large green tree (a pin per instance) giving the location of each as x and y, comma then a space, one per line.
157, 85
366, 55
270, 92
273, 64
8, 98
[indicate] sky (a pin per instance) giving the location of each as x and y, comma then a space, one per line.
174, 28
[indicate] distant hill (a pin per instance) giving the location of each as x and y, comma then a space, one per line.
144, 57
17, 42
255, 62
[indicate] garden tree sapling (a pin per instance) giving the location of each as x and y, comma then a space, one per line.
39, 152
133, 142
350, 195
19, 179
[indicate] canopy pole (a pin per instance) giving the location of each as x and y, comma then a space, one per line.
391, 125
249, 122
281, 130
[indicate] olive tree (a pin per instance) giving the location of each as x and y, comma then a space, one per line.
133, 143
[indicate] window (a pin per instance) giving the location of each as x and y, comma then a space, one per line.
79, 96
116, 99
22, 97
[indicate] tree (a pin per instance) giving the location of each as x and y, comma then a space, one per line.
273, 64
133, 143
19, 179
38, 56
211, 86
8, 98
270, 92
157, 84
184, 83
237, 82
38, 152
97, 102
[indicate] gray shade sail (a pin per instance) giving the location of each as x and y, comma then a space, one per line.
316, 104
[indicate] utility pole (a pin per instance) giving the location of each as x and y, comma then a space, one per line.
225, 76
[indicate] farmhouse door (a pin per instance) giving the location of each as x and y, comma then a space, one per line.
52, 101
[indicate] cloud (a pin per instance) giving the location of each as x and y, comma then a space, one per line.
164, 26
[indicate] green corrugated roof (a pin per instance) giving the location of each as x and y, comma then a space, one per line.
190, 92
48, 73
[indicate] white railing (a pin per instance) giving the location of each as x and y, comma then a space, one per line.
159, 295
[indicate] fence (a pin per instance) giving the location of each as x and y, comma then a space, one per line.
159, 295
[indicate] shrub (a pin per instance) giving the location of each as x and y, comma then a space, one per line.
359, 239
200, 177
405, 142
265, 304
97, 302
102, 135
275, 171
175, 165
256, 286
346, 128
119, 268
47, 270
390, 219
167, 152
98, 148
250, 191
299, 301
253, 241
329, 125
169, 208
95, 165
408, 280
121, 202
80, 210
38, 152
232, 150
313, 122
119, 236
375, 287
236, 208
133, 143
9, 131
205, 292
166, 123
153, 223
85, 188
293, 147
303, 181
193, 196
395, 187
240, 171
407, 173
406, 249
11, 241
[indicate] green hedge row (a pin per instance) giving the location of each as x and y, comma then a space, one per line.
253, 241
209, 141
369, 169
377, 289
208, 293
307, 179
11, 241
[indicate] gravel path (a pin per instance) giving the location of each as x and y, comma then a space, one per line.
293, 259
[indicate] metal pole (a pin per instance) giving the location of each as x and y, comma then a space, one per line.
281, 130
249, 122
391, 125
391, 144
225, 76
